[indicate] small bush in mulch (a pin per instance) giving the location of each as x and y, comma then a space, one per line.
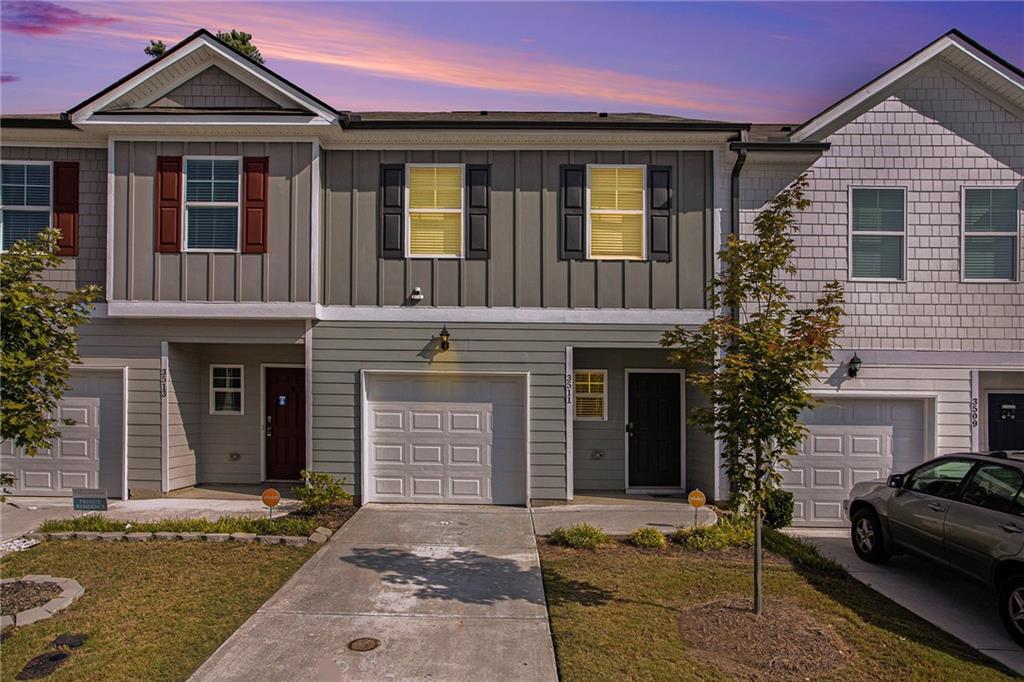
580, 536
320, 491
784, 642
730, 531
21, 596
647, 537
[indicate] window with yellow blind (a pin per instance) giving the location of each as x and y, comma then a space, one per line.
615, 210
434, 210
591, 388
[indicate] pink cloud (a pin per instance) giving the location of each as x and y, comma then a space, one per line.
9, 78
45, 18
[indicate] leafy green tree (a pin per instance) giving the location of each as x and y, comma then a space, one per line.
755, 359
239, 41
155, 48
38, 341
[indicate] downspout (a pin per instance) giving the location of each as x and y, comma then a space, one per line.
741, 158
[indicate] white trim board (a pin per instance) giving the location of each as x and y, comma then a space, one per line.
682, 427
364, 423
664, 317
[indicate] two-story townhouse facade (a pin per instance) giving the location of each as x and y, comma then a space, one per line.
466, 306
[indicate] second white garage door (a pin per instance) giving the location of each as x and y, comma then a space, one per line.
852, 440
446, 439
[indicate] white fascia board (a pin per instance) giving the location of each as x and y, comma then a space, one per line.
202, 309
843, 109
653, 316
230, 55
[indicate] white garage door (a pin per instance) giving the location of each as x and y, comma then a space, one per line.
851, 440
88, 454
446, 439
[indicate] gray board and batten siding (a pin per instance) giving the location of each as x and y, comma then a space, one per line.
524, 269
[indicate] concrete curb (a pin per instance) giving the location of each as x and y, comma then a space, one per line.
70, 591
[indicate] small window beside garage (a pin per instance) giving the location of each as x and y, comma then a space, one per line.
226, 389
878, 228
24, 201
991, 230
591, 388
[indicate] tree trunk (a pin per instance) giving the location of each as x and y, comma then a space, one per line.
757, 562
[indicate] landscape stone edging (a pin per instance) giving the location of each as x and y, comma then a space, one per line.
70, 591
318, 536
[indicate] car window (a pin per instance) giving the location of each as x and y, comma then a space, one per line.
941, 479
994, 486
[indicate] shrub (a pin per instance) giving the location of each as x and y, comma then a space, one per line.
285, 525
778, 509
580, 536
319, 492
801, 553
647, 537
730, 531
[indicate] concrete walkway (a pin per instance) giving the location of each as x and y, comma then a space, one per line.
451, 593
954, 604
31, 511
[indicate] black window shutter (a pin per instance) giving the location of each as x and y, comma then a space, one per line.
392, 211
572, 244
478, 212
659, 212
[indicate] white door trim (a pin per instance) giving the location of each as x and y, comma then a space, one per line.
263, 413
682, 425
364, 421
123, 371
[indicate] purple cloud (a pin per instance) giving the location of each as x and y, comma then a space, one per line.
9, 78
45, 18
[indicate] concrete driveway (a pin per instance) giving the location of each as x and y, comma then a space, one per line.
960, 607
451, 593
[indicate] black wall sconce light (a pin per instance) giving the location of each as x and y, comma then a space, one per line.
854, 366
444, 336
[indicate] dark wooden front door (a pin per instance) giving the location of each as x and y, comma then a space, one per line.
652, 423
285, 422
1006, 421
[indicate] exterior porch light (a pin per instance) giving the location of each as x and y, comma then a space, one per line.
854, 367
444, 336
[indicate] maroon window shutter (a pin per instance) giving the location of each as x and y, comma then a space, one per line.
168, 204
254, 204
65, 206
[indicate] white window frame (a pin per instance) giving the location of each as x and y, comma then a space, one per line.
408, 210
642, 212
604, 396
875, 233
49, 205
963, 236
237, 204
240, 391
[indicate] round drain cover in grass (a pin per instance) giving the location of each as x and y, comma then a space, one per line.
364, 644
41, 666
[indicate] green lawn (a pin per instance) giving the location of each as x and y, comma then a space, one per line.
615, 614
153, 610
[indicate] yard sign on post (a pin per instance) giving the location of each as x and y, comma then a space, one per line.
696, 500
270, 498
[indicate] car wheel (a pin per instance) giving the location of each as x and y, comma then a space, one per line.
1011, 606
866, 534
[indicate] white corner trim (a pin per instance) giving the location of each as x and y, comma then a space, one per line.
108, 293
315, 228
657, 316
570, 412
165, 445
202, 309
843, 108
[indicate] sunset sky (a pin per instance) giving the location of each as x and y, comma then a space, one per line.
760, 62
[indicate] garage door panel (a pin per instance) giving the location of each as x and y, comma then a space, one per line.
449, 430
867, 446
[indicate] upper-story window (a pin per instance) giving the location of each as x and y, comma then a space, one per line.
434, 216
990, 233
878, 230
25, 199
212, 218
615, 212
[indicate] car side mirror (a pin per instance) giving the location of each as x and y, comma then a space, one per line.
896, 480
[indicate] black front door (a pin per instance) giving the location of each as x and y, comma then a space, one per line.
652, 422
285, 422
1006, 421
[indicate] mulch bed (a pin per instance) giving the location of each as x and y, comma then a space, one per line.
333, 517
785, 642
21, 596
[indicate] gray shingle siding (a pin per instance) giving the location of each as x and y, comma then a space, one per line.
214, 89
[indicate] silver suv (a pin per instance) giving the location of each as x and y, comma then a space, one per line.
965, 511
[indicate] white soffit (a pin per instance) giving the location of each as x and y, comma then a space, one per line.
952, 50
